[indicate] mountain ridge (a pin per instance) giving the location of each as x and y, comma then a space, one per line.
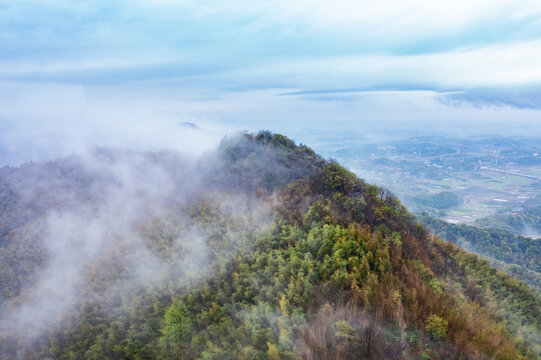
296, 258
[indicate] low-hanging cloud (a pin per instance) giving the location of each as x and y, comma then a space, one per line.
46, 121
97, 233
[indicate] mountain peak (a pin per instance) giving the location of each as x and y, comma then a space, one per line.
261, 250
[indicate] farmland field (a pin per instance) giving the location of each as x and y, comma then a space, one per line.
490, 174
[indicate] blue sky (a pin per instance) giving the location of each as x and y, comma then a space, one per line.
98, 67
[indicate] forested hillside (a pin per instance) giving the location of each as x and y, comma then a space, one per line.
523, 221
262, 250
519, 256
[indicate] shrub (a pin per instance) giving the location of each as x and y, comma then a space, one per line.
436, 327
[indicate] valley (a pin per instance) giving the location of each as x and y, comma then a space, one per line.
487, 175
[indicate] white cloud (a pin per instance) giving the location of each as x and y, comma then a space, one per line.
41, 121
511, 64
497, 65
188, 55
76, 65
378, 15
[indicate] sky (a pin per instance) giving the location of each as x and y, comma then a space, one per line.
81, 73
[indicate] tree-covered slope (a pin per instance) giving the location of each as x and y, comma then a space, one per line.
525, 221
519, 256
271, 253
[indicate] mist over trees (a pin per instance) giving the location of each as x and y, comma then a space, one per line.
260, 249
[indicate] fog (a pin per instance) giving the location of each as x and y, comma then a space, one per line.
42, 122
114, 115
110, 223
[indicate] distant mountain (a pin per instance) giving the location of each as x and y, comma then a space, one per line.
519, 256
38, 147
188, 125
261, 250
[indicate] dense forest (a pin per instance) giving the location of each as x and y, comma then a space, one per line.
518, 255
521, 221
262, 250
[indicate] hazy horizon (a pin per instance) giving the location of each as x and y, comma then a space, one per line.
77, 75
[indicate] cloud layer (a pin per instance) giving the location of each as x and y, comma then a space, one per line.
230, 61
